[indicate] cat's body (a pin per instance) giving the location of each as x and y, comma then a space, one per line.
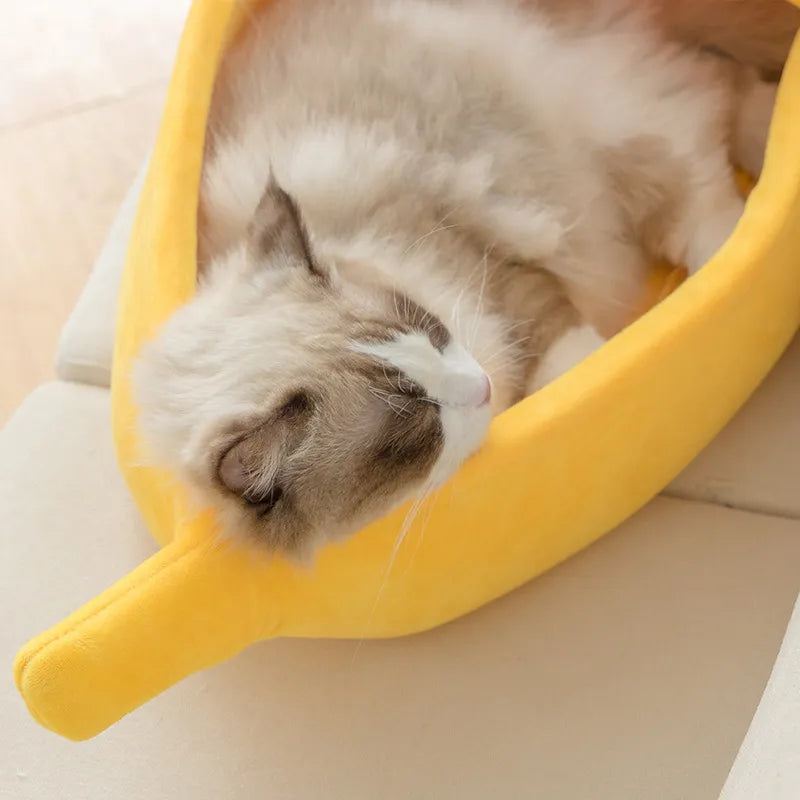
754, 33
446, 191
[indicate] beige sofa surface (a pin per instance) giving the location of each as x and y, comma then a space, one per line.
632, 671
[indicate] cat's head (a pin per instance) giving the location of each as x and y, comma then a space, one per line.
300, 404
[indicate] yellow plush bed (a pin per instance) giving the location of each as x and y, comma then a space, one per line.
558, 470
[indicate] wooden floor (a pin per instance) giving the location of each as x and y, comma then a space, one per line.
81, 92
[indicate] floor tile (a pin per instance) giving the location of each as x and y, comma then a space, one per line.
63, 181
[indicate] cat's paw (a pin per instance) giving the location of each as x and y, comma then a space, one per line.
752, 126
568, 351
710, 233
707, 221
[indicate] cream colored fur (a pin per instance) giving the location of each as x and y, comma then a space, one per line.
508, 177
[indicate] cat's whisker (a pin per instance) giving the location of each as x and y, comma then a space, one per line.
434, 499
432, 401
389, 399
505, 349
477, 315
422, 239
526, 355
437, 228
408, 521
513, 326
481, 297
467, 286
456, 313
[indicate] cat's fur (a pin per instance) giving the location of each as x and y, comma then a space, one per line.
755, 33
403, 199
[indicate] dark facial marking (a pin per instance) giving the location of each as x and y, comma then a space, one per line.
405, 451
417, 318
388, 378
411, 448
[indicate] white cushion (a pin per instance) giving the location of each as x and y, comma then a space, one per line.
632, 671
86, 346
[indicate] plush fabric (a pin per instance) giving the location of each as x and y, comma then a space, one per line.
558, 470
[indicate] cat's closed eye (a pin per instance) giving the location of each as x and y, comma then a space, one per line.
413, 390
265, 501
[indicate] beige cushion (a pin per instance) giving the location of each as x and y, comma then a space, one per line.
630, 672
86, 346
755, 462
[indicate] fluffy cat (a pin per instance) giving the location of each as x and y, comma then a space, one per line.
413, 214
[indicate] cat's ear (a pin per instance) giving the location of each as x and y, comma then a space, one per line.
249, 468
250, 463
278, 234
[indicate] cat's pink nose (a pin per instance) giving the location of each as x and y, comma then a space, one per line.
466, 390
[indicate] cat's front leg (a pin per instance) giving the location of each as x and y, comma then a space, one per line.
707, 219
751, 127
713, 227
714, 206
572, 347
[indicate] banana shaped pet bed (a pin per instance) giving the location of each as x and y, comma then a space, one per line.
558, 470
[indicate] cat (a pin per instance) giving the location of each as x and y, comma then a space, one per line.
413, 214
